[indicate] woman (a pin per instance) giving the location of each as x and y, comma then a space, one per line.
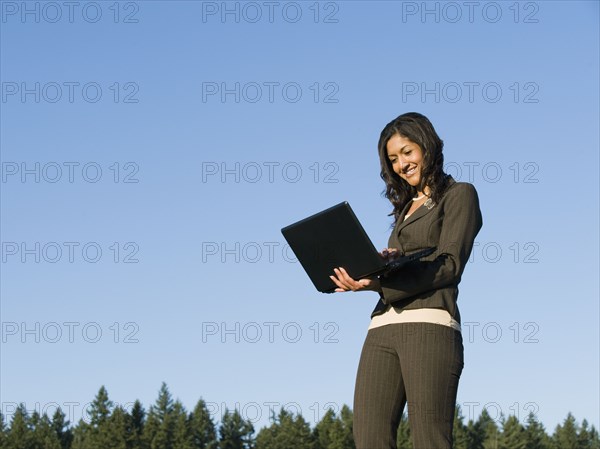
413, 352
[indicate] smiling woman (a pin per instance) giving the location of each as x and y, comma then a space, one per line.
406, 158
413, 352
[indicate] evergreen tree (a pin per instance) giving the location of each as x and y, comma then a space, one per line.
202, 427
138, 416
158, 431
3, 432
286, 432
97, 433
535, 434
20, 435
513, 434
61, 428
491, 433
347, 418
182, 437
403, 439
565, 436
164, 403
168, 426
583, 437
100, 408
492, 438
322, 431
336, 434
332, 432
459, 431
118, 429
150, 428
79, 435
594, 438
43, 435
477, 431
475, 435
235, 432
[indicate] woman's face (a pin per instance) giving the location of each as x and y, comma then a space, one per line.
406, 158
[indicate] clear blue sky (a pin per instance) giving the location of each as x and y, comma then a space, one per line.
222, 123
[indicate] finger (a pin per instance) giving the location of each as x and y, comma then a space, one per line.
337, 282
349, 282
345, 274
340, 282
345, 279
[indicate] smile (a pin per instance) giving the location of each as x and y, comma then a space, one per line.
411, 171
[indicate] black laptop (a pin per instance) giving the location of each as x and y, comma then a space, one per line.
335, 238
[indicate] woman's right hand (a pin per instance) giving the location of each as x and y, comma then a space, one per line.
390, 254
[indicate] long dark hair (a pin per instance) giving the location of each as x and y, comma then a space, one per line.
418, 129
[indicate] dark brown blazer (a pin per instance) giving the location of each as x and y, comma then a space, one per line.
432, 282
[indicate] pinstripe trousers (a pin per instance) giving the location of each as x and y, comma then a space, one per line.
417, 365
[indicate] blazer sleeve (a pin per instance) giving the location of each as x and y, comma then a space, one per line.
461, 222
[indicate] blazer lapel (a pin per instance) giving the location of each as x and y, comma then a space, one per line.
423, 210
420, 212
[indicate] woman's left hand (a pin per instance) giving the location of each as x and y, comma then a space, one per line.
345, 283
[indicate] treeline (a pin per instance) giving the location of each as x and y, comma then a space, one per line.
167, 425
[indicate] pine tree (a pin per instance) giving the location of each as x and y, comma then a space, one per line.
459, 431
594, 438
80, 432
337, 435
204, 434
490, 431
513, 434
565, 436
98, 433
150, 429
118, 429
476, 431
61, 428
322, 432
403, 439
535, 434
158, 432
20, 435
583, 437
347, 418
333, 431
138, 416
492, 438
182, 437
3, 432
169, 426
235, 432
285, 432
100, 408
43, 435
164, 403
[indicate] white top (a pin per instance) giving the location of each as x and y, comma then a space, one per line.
392, 315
